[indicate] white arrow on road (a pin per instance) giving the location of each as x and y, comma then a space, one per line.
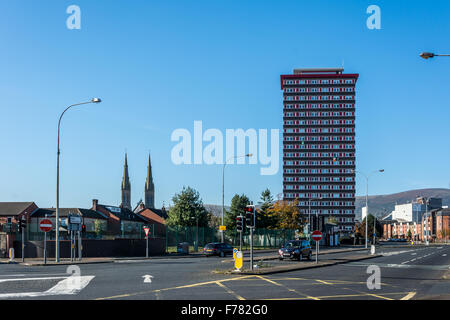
147, 278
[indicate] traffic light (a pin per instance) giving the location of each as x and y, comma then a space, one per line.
250, 216
22, 224
83, 228
239, 223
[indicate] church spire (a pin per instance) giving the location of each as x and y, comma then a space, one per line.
126, 186
149, 186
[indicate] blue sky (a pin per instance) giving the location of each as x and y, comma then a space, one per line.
160, 65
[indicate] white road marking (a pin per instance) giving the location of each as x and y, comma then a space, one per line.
69, 286
147, 278
444, 255
31, 279
393, 265
413, 254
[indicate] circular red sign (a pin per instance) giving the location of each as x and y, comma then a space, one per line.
46, 225
317, 235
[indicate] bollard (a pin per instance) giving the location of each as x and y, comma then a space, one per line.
372, 249
11, 254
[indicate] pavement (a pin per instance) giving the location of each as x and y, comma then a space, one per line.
404, 273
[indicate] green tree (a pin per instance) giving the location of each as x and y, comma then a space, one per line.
187, 208
238, 204
264, 219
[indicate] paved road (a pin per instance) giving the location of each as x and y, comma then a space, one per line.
406, 273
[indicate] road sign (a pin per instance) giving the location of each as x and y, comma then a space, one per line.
235, 250
146, 229
46, 225
75, 219
222, 228
317, 235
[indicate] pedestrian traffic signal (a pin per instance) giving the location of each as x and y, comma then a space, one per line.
250, 216
83, 228
239, 223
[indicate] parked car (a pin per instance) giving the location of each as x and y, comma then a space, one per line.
295, 249
217, 249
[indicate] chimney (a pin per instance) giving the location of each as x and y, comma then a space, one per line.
94, 204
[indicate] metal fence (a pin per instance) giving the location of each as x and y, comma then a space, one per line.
262, 238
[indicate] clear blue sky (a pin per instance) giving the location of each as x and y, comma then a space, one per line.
160, 65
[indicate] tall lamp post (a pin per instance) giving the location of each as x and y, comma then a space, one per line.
367, 196
94, 100
223, 188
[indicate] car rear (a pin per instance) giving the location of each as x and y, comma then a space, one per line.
210, 249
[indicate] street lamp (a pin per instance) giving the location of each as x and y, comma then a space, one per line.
94, 100
223, 187
367, 195
427, 55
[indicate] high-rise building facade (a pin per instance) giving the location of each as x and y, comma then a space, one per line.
319, 144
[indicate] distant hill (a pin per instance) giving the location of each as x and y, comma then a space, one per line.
383, 204
215, 209
379, 205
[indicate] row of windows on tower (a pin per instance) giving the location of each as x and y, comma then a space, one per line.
319, 179
318, 122
347, 89
321, 98
319, 130
317, 171
318, 155
322, 187
320, 163
320, 81
319, 114
320, 106
320, 146
319, 138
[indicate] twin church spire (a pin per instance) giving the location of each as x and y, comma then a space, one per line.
149, 187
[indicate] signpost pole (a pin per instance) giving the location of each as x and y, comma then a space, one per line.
23, 245
317, 252
251, 248
45, 247
146, 249
71, 246
79, 245
240, 240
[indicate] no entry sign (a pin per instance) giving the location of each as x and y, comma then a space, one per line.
317, 235
46, 225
